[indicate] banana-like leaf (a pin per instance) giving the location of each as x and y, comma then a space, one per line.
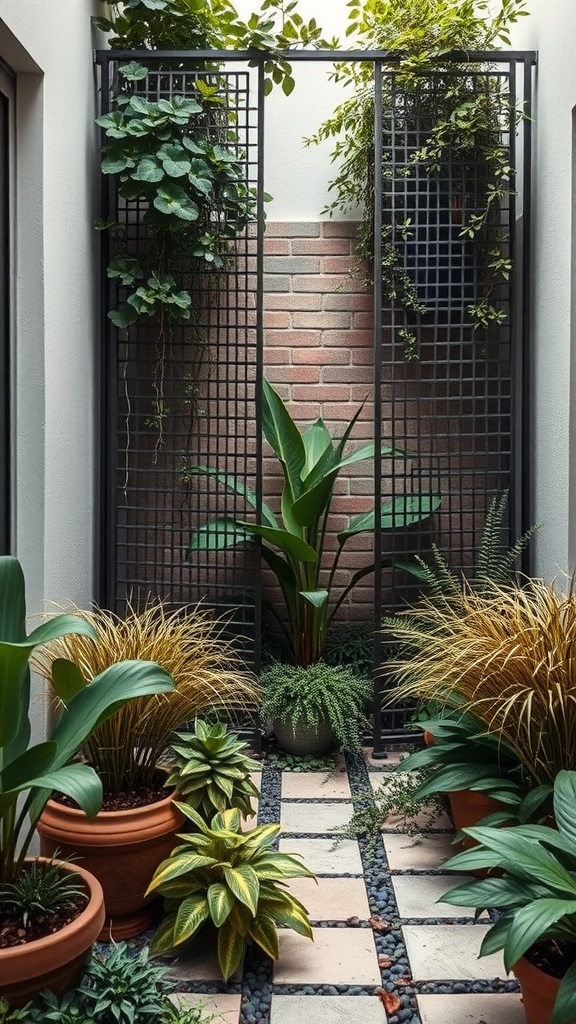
397, 514
292, 545
563, 1012
67, 679
78, 781
284, 439
564, 804
231, 948
217, 535
34, 761
239, 487
317, 443
317, 598
524, 857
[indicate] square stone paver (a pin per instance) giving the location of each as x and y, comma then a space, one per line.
327, 1010
321, 817
450, 952
315, 786
332, 899
320, 856
418, 895
199, 962
500, 1008
338, 956
417, 853
421, 819
225, 1006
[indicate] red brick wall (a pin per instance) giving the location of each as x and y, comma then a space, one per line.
318, 354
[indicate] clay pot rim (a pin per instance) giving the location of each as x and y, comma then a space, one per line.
61, 946
118, 815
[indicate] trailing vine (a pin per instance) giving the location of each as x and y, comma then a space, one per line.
465, 118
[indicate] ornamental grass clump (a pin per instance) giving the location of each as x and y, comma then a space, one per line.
189, 644
506, 657
315, 695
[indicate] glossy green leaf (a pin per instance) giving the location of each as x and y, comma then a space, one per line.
283, 437
317, 598
530, 923
289, 543
263, 932
238, 487
397, 514
220, 902
231, 948
565, 804
192, 913
565, 1004
217, 536
67, 679
243, 883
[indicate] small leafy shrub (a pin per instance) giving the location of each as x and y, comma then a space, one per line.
41, 887
397, 797
292, 693
124, 989
234, 880
212, 772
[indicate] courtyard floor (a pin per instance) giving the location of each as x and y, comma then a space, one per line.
384, 949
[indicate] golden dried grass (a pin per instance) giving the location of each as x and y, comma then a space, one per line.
191, 645
509, 658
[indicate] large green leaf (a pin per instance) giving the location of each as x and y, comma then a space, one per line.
231, 948
317, 598
67, 679
289, 543
530, 923
78, 781
34, 761
220, 902
243, 882
175, 867
283, 437
217, 535
564, 1006
522, 856
397, 514
498, 892
239, 487
102, 697
565, 804
263, 932
191, 915
317, 442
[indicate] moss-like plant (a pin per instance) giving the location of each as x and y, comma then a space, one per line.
211, 771
234, 880
315, 695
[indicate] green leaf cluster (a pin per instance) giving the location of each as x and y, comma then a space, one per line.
211, 771
43, 886
465, 117
319, 692
294, 547
236, 881
535, 887
28, 774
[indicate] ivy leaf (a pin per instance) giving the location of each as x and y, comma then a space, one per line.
133, 72
174, 160
148, 170
174, 201
124, 317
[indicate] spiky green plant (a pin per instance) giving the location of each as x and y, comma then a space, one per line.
189, 644
507, 658
233, 879
42, 886
212, 771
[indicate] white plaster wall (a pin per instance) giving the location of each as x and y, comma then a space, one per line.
55, 297
551, 29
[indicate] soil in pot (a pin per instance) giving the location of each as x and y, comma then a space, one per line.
57, 959
300, 738
122, 848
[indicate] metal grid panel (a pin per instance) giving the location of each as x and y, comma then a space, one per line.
183, 395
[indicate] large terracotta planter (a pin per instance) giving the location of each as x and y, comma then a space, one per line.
469, 807
122, 849
57, 961
539, 991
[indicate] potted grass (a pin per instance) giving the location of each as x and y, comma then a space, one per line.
136, 829
535, 890
50, 912
315, 709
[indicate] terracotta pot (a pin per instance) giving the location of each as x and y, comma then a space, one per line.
539, 991
57, 961
469, 807
300, 738
122, 848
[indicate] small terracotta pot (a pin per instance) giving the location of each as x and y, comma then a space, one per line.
57, 961
468, 808
539, 991
122, 848
300, 738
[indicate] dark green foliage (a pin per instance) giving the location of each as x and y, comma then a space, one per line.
41, 886
317, 693
351, 644
124, 989
212, 771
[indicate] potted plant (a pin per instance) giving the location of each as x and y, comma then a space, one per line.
311, 710
504, 656
536, 893
232, 880
295, 549
137, 826
28, 774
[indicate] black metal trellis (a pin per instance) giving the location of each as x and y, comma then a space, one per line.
459, 409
